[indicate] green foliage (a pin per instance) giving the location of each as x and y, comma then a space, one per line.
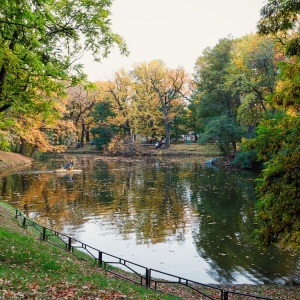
105, 131
278, 136
252, 75
279, 205
222, 130
4, 142
40, 41
277, 144
246, 159
103, 135
210, 71
278, 17
287, 94
215, 104
181, 125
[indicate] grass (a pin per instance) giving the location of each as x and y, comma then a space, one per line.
32, 269
175, 148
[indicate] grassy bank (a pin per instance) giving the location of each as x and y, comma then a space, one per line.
179, 149
32, 269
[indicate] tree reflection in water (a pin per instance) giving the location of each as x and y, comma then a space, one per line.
180, 217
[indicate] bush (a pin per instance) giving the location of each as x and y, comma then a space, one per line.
119, 146
246, 160
4, 143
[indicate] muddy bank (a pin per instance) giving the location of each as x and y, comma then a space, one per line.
10, 161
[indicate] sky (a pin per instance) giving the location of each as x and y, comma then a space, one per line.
174, 31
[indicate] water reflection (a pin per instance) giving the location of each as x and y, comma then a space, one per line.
178, 217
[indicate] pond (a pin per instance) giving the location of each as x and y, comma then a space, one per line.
177, 216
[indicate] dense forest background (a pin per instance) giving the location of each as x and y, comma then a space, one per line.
244, 96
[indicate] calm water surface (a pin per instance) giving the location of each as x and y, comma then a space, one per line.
179, 217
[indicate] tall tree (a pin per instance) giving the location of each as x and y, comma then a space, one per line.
172, 88
104, 129
213, 99
278, 137
251, 76
120, 92
210, 71
43, 131
80, 104
41, 39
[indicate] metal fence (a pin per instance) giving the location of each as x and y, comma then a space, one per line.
138, 274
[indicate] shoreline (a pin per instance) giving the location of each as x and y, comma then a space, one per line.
10, 161
270, 291
14, 160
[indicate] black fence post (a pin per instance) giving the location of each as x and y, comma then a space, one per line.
100, 258
69, 244
44, 234
148, 278
24, 222
16, 215
225, 295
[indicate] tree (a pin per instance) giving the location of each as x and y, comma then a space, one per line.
40, 41
120, 93
224, 131
182, 125
171, 86
277, 144
252, 75
278, 138
44, 131
146, 115
211, 96
210, 77
280, 18
80, 103
104, 130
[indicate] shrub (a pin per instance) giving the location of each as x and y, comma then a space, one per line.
246, 160
119, 146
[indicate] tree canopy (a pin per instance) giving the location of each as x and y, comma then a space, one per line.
278, 137
40, 43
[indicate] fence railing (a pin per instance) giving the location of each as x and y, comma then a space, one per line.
138, 274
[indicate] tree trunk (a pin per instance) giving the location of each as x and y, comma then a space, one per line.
34, 150
234, 148
22, 147
127, 128
167, 130
87, 135
196, 137
82, 134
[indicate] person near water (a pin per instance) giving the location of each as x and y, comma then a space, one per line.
158, 145
69, 166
